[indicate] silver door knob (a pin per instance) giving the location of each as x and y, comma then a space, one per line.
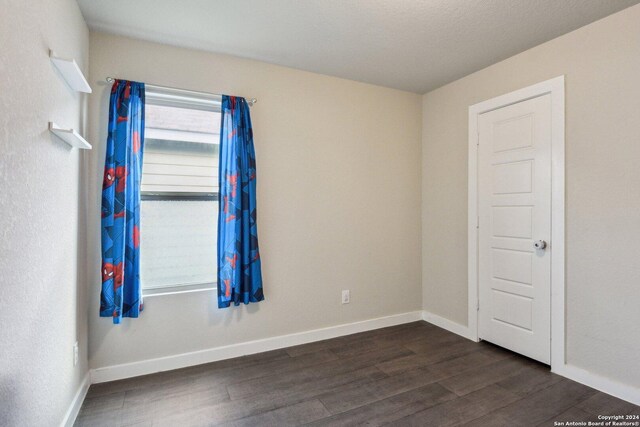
539, 244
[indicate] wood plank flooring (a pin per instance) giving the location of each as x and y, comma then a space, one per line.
412, 374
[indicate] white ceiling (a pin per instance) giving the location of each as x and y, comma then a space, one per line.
415, 45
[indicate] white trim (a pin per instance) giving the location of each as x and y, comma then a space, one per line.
472, 226
74, 409
555, 87
605, 385
558, 319
149, 366
447, 324
178, 289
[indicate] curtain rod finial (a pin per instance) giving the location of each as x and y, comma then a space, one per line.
252, 101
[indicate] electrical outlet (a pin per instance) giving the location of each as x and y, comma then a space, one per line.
345, 297
75, 354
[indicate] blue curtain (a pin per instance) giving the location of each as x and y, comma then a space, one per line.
120, 296
239, 272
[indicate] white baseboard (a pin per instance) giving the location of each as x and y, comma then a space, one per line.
144, 367
149, 366
447, 324
603, 384
76, 403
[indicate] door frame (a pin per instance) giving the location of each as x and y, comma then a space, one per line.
554, 87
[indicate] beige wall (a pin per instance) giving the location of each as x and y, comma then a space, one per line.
338, 202
601, 63
43, 302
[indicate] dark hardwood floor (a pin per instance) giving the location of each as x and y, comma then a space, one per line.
412, 374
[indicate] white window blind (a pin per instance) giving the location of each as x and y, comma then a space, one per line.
179, 191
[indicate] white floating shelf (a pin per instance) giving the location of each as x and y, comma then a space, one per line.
69, 136
71, 73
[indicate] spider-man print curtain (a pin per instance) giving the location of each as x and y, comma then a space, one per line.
239, 272
120, 296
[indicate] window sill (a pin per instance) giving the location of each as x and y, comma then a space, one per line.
179, 289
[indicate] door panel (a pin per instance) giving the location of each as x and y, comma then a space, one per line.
513, 309
511, 265
514, 207
512, 133
513, 178
512, 221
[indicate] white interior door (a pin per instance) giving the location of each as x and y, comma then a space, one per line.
514, 208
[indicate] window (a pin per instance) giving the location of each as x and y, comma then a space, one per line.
179, 208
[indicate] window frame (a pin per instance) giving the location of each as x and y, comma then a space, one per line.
194, 100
